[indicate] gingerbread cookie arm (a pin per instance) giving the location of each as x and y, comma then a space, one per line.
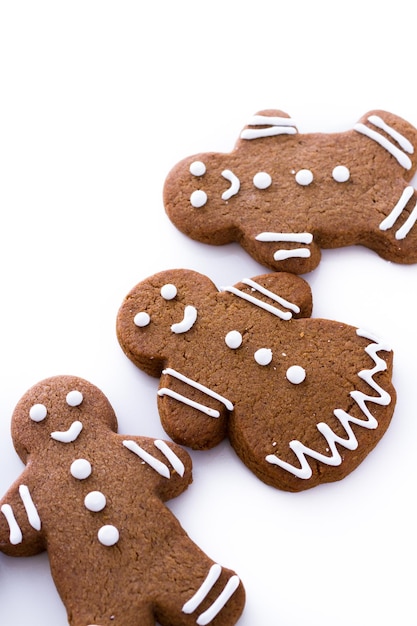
20, 522
167, 465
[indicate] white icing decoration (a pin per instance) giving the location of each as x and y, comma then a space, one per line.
156, 464
285, 315
173, 458
213, 610
334, 459
95, 501
197, 168
168, 291
30, 508
304, 177
406, 145
201, 593
341, 173
164, 391
38, 412
408, 225
74, 398
15, 534
209, 392
398, 154
296, 374
234, 184
142, 319
108, 535
282, 255
198, 198
233, 339
262, 180
188, 321
263, 356
80, 469
275, 126
390, 220
70, 435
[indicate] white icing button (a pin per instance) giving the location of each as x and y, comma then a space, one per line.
263, 356
95, 501
74, 398
168, 292
38, 412
198, 198
341, 174
233, 339
262, 180
142, 319
108, 535
296, 374
197, 168
304, 177
81, 469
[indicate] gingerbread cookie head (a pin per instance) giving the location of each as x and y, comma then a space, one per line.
284, 195
302, 400
94, 500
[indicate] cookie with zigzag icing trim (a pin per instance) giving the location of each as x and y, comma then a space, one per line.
285, 195
94, 499
303, 400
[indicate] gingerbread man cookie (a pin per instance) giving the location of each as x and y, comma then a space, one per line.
94, 500
284, 195
302, 400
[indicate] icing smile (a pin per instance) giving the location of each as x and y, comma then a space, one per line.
70, 435
187, 322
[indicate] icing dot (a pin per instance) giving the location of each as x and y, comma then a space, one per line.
197, 168
168, 292
341, 174
262, 180
233, 339
142, 319
108, 535
74, 398
198, 198
95, 501
304, 177
263, 356
296, 374
81, 469
38, 412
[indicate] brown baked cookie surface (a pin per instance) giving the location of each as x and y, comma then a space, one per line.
303, 400
284, 195
94, 500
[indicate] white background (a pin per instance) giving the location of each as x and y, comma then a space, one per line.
98, 100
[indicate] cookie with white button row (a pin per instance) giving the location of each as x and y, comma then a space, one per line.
285, 195
94, 500
302, 400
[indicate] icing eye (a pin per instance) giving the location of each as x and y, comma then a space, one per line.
142, 319
233, 339
304, 177
74, 398
263, 356
296, 374
262, 180
80, 469
168, 292
38, 412
198, 198
197, 168
341, 174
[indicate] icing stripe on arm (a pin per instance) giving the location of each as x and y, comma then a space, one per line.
193, 383
283, 254
157, 465
275, 126
402, 158
284, 315
15, 535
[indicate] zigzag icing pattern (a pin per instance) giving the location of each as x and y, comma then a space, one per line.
351, 443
